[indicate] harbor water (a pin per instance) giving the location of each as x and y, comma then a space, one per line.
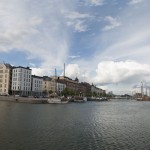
112, 125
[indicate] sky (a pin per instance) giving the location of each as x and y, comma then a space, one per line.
104, 42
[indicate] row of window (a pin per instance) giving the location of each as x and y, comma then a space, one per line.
15, 84
1, 80
4, 85
19, 88
1, 90
1, 76
19, 79
38, 85
20, 70
20, 74
3, 71
38, 81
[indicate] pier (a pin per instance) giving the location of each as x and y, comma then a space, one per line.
19, 99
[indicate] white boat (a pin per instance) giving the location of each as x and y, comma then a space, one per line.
85, 99
54, 100
57, 100
80, 99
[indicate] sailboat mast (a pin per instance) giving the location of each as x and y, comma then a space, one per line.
142, 89
64, 69
55, 81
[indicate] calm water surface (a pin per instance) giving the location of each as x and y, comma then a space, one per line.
114, 125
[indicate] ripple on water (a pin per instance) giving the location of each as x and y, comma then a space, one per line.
90, 126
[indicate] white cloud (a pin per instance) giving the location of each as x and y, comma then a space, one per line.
77, 20
73, 56
133, 2
35, 29
80, 26
76, 15
72, 70
131, 41
41, 71
113, 23
97, 2
123, 71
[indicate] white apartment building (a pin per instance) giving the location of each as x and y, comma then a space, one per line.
37, 85
5, 79
60, 87
21, 81
97, 90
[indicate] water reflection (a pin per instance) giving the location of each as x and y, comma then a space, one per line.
90, 126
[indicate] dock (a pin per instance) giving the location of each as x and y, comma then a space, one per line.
19, 99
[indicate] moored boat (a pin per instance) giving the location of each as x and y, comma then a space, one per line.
80, 99
54, 100
143, 99
57, 100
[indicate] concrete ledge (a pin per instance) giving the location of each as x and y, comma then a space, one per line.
24, 99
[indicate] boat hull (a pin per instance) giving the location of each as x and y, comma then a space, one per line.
143, 99
56, 101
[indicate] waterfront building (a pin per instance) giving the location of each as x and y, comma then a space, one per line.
21, 81
5, 79
97, 91
36, 85
85, 89
49, 85
72, 85
80, 89
60, 87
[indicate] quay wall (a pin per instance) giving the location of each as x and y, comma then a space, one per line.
18, 99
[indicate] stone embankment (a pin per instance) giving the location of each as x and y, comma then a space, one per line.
19, 99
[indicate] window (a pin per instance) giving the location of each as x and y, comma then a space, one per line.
1, 80
14, 79
1, 76
0, 85
1, 71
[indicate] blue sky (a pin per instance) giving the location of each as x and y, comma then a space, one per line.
105, 42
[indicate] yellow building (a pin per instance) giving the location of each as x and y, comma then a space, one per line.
49, 85
5, 79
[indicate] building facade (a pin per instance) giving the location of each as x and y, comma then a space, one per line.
70, 84
21, 81
80, 89
49, 85
5, 79
97, 91
36, 85
60, 88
